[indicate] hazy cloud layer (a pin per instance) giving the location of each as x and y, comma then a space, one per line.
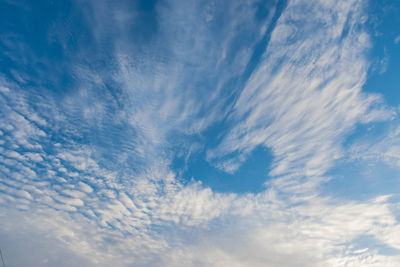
87, 175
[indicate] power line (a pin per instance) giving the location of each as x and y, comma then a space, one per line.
1, 254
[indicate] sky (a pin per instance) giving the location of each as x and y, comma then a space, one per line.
200, 133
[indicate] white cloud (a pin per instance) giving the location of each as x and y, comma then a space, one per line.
397, 39
34, 156
120, 203
305, 95
4, 89
86, 188
386, 150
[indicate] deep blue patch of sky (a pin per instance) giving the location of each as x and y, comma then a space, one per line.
383, 24
249, 178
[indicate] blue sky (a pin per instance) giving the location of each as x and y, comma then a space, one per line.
200, 133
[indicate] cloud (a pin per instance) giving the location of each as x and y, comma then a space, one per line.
397, 40
305, 95
89, 170
385, 150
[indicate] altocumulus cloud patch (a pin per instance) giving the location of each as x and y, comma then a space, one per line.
199, 133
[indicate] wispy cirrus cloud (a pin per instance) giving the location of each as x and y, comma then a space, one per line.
305, 94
